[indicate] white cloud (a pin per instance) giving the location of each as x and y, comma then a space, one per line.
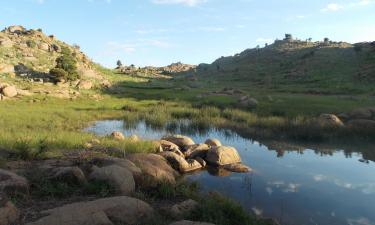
332, 7
115, 47
183, 2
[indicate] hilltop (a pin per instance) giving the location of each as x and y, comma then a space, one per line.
300, 66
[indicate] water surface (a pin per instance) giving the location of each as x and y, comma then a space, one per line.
294, 187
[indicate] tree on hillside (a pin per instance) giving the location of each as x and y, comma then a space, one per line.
66, 66
119, 63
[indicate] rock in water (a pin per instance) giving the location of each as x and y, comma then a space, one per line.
106, 211
118, 177
180, 140
237, 168
213, 142
179, 163
223, 155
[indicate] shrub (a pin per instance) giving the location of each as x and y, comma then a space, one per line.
31, 43
67, 63
58, 74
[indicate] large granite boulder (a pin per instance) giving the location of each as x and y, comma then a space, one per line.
118, 177
180, 140
223, 155
198, 150
108, 161
213, 142
106, 211
72, 174
155, 169
330, 120
179, 163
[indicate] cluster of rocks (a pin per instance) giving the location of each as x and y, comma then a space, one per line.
11, 91
124, 175
359, 118
186, 156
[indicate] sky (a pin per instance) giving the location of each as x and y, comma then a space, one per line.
159, 32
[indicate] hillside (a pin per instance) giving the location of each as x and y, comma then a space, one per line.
292, 65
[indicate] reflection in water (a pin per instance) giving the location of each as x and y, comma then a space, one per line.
290, 183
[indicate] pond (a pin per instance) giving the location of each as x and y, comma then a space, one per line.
309, 186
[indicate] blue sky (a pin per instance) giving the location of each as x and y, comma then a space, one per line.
159, 32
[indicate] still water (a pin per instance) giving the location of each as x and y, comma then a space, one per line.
294, 187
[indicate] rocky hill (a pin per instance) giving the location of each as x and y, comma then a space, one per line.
301, 66
31, 53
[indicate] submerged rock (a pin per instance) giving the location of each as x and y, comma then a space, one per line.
106, 211
198, 150
223, 155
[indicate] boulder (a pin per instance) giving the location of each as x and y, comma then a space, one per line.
198, 150
223, 155
180, 140
24, 92
155, 169
106, 211
16, 29
237, 168
85, 85
118, 177
10, 91
7, 43
179, 163
187, 222
12, 183
184, 208
201, 161
168, 146
9, 214
5, 68
108, 161
73, 175
213, 142
105, 84
118, 135
246, 101
330, 120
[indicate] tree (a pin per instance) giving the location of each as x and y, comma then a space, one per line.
67, 63
119, 63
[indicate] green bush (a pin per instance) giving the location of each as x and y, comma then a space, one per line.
59, 74
67, 63
31, 43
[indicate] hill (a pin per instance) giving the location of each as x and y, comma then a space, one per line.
293, 65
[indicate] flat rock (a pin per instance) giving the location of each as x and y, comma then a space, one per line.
155, 169
223, 155
187, 222
119, 177
106, 211
12, 183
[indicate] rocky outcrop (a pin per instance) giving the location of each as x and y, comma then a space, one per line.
13, 184
223, 155
179, 140
120, 178
106, 211
9, 91
155, 169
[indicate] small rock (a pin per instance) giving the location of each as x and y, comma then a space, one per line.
183, 208
72, 175
213, 142
118, 135
12, 183
9, 214
10, 91
119, 177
